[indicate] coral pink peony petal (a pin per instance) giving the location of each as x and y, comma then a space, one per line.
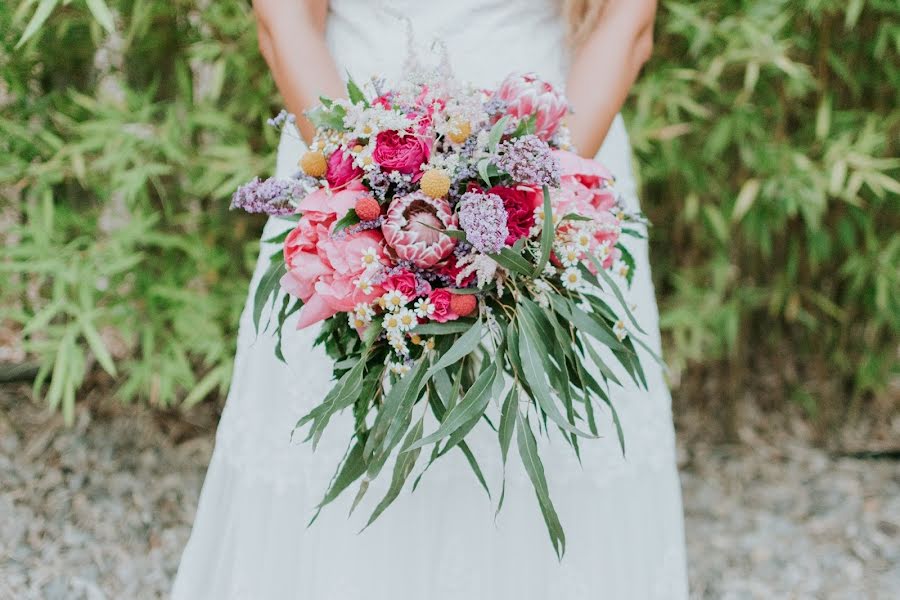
313, 311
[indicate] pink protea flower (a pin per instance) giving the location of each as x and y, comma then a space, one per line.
526, 95
413, 227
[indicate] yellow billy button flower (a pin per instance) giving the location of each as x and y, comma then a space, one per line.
435, 183
314, 164
460, 132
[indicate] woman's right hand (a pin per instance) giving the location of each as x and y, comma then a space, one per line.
292, 41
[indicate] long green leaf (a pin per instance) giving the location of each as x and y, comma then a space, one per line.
530, 351
472, 406
535, 469
406, 462
40, 15
102, 13
464, 345
548, 233
269, 285
513, 261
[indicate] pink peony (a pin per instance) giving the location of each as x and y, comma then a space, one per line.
519, 203
413, 227
341, 170
322, 270
407, 284
404, 152
584, 190
441, 299
526, 95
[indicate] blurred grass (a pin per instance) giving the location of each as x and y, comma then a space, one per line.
766, 134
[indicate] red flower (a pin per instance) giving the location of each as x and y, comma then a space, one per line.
341, 170
451, 269
403, 153
519, 203
440, 299
403, 282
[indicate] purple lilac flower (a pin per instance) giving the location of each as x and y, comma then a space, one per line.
275, 197
483, 218
281, 118
528, 159
495, 106
358, 228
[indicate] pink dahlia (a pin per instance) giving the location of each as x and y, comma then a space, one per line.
413, 227
526, 95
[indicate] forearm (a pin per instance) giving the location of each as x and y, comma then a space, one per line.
605, 67
292, 40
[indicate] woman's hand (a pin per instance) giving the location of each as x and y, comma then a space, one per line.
292, 40
605, 67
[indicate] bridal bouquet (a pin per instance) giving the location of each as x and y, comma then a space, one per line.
459, 259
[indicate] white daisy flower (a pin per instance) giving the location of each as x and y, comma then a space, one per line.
620, 330
364, 285
408, 319
369, 257
391, 322
356, 322
398, 368
569, 256
393, 301
571, 278
623, 270
399, 345
424, 308
363, 312
603, 251
582, 238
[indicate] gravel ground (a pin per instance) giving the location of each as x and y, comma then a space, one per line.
102, 509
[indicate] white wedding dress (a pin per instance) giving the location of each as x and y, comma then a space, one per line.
622, 516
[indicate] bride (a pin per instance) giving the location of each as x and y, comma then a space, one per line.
622, 515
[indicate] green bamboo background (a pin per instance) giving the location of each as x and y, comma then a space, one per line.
766, 135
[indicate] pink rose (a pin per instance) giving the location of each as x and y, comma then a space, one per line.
526, 95
519, 203
403, 153
440, 299
407, 284
341, 170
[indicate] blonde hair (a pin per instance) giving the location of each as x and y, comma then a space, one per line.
581, 17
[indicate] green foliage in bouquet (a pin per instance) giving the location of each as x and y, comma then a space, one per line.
766, 134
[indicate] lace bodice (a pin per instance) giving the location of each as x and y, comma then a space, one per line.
486, 39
